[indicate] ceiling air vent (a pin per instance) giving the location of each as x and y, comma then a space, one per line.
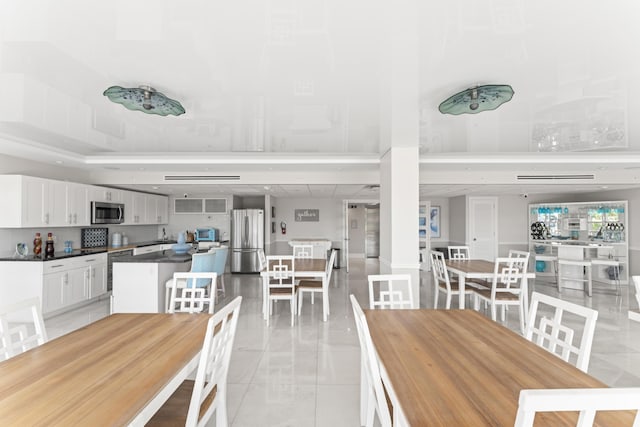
552, 177
201, 177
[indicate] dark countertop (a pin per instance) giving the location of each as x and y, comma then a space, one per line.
156, 257
88, 251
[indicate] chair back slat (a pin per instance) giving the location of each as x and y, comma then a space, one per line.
393, 290
585, 400
459, 252
21, 328
551, 334
214, 361
303, 251
192, 300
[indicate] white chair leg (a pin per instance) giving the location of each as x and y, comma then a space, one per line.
503, 313
521, 313
312, 295
300, 302
435, 297
559, 279
293, 309
448, 303
221, 409
493, 312
224, 291
589, 287
167, 298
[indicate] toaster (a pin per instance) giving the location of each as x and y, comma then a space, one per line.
206, 234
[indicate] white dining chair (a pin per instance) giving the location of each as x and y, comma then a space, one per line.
555, 335
459, 252
390, 291
506, 288
281, 283
194, 402
372, 393
21, 327
317, 286
303, 251
192, 299
200, 262
587, 401
442, 282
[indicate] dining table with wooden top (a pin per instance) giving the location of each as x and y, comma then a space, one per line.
303, 268
483, 270
116, 371
459, 368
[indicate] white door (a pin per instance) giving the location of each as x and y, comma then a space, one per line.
482, 220
345, 249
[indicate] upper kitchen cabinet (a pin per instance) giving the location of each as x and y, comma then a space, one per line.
157, 209
135, 208
105, 194
36, 202
78, 204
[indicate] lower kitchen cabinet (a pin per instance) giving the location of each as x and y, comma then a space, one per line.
60, 284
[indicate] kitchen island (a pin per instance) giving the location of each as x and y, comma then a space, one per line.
139, 281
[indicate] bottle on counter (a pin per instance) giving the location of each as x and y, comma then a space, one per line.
37, 246
49, 250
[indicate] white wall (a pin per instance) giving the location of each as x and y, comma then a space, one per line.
457, 220
329, 226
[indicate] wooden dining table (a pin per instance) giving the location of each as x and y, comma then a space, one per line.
116, 371
304, 268
458, 368
483, 269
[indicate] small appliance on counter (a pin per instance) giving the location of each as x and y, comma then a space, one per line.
207, 234
116, 240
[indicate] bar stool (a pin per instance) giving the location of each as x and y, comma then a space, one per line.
586, 266
550, 259
611, 263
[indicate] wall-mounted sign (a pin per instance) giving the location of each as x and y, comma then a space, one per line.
307, 215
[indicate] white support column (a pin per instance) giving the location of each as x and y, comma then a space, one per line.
399, 141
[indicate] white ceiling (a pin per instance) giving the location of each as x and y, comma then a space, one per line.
304, 79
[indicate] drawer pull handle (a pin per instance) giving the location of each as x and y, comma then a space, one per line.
58, 265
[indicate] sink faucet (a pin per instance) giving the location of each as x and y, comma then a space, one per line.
164, 234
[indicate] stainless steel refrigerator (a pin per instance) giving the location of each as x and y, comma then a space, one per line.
247, 236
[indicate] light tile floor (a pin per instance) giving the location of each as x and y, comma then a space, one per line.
309, 375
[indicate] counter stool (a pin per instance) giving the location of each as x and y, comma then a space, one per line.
585, 264
553, 260
611, 263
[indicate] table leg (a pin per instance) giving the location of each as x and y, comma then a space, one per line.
325, 298
265, 299
461, 297
525, 298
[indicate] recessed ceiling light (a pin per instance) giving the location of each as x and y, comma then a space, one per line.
141, 169
59, 162
155, 187
604, 187
267, 187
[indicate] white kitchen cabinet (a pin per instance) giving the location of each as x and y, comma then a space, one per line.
97, 280
135, 207
157, 209
106, 194
30, 202
162, 209
70, 281
53, 285
78, 205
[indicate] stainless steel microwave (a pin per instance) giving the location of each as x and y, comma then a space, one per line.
107, 213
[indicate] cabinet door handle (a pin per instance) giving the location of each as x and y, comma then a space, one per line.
90, 260
70, 221
75, 218
57, 265
46, 218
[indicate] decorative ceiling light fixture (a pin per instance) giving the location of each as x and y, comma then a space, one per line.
145, 99
477, 99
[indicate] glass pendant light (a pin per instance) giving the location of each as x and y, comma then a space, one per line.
477, 99
145, 99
